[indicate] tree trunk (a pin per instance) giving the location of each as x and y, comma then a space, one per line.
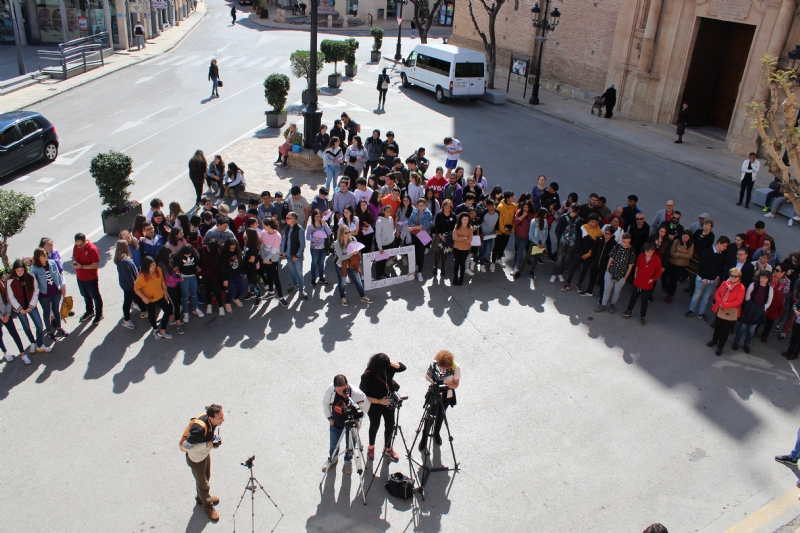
4, 253
491, 62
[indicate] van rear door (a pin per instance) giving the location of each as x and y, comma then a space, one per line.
477, 76
462, 78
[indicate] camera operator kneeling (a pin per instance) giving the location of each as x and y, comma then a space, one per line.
341, 403
379, 385
197, 442
443, 370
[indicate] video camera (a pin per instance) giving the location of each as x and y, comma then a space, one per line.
351, 412
395, 400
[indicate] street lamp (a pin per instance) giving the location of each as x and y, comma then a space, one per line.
312, 116
398, 54
545, 26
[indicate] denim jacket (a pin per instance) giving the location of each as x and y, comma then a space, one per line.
40, 274
423, 219
538, 236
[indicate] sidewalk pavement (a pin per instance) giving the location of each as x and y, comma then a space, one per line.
155, 47
389, 26
698, 151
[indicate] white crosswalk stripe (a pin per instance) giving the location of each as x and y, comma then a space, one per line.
285, 65
223, 59
205, 61
170, 60
187, 60
270, 63
236, 61
254, 62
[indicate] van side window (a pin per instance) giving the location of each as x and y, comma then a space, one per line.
439, 66
412, 59
9, 136
469, 70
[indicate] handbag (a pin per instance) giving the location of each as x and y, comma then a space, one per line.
219, 83
730, 314
66, 307
400, 486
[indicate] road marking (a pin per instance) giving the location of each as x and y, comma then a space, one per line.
138, 169
117, 113
76, 204
187, 60
223, 48
254, 62
202, 61
83, 128
236, 61
170, 60
223, 59
285, 65
64, 160
57, 184
270, 62
132, 124
148, 78
45, 180
767, 513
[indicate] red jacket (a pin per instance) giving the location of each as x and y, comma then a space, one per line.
238, 224
646, 271
87, 255
753, 241
734, 297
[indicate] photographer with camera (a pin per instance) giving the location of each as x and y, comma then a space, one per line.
378, 383
197, 441
444, 374
341, 404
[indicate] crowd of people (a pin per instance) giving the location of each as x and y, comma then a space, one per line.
178, 265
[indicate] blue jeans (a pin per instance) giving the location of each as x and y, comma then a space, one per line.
796, 452
740, 329
235, 288
335, 434
317, 263
189, 291
50, 305
90, 290
486, 249
14, 335
352, 273
612, 289
214, 82
37, 323
332, 172
296, 270
702, 293
522, 248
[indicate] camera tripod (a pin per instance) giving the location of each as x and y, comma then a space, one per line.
253, 485
352, 437
398, 429
427, 426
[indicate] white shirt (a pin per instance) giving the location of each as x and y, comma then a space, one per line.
755, 167
453, 150
359, 194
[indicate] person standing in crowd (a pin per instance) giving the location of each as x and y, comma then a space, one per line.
522, 227
358, 151
7, 318
610, 100
420, 220
317, 234
620, 265
383, 88
270, 258
23, 295
750, 169
293, 245
51, 290
754, 238
757, 300
566, 236
339, 395
584, 245
321, 141
197, 174
252, 261
462, 242
682, 122
601, 251
489, 221
333, 157
507, 208
209, 267
780, 288
339, 132
127, 273
172, 282
219, 233
374, 148
350, 126
648, 270
85, 260
384, 238
213, 74
297, 203
379, 386
680, 253
198, 444
537, 191
662, 215
187, 261
727, 308
746, 267
152, 290
709, 271
348, 264
231, 271
537, 236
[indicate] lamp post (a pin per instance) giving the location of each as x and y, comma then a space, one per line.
398, 55
545, 26
312, 116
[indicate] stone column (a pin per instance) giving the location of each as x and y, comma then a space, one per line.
62, 7
649, 38
776, 42
23, 39
107, 22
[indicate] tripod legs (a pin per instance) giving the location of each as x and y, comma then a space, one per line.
428, 425
377, 468
254, 485
355, 450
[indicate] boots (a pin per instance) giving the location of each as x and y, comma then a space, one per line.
212, 513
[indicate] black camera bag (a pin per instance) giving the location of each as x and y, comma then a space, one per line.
400, 486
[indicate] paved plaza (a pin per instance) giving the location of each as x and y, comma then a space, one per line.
567, 420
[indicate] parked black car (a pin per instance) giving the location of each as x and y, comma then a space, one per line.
25, 137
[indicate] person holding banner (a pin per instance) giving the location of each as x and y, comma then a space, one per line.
419, 225
346, 250
384, 238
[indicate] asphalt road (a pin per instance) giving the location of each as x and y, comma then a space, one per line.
566, 421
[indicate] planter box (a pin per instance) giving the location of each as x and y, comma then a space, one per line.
275, 121
375, 55
350, 71
334, 81
113, 225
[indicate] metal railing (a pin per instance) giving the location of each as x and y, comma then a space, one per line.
78, 52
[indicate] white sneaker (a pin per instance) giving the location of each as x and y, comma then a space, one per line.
199, 313
791, 222
796, 218
561, 278
491, 267
128, 324
770, 215
329, 463
469, 272
552, 279
514, 272
25, 359
234, 203
136, 307
502, 262
420, 278
44, 349
219, 193
9, 357
347, 280
218, 202
185, 317
32, 347
221, 312
209, 309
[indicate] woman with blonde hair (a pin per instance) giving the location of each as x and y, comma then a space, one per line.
727, 308
347, 263
443, 370
175, 210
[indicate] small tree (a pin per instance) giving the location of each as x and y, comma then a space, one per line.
334, 51
377, 35
490, 43
111, 172
276, 88
301, 63
15, 209
779, 137
423, 17
350, 56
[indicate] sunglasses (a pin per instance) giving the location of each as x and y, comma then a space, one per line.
734, 277
639, 218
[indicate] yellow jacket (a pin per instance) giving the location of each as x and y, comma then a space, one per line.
507, 212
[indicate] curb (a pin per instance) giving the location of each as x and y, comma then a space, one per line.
107, 73
711, 173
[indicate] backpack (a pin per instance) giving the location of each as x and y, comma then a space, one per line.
185, 435
400, 486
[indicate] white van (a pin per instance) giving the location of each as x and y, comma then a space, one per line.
449, 71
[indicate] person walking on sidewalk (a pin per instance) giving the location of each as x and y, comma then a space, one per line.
138, 31
750, 168
233, 15
213, 77
413, 29
610, 100
683, 120
199, 438
383, 88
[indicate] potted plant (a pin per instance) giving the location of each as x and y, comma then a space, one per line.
351, 68
305, 95
334, 51
301, 67
112, 175
276, 89
15, 210
377, 35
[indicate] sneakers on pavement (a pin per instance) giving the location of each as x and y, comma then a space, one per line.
552, 279
25, 359
86, 316
180, 329
348, 468
283, 302
689, 314
627, 313
44, 349
786, 459
97, 319
561, 278
391, 454
420, 278
221, 312
209, 309
8, 357
491, 267
344, 302
128, 324
366, 300
599, 308
703, 319
185, 317
612, 309
198, 313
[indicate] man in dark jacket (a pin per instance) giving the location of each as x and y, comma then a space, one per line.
683, 120
566, 235
589, 233
601, 250
742, 262
709, 272
374, 147
610, 100
640, 231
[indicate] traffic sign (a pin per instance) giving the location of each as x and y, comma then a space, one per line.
399, 21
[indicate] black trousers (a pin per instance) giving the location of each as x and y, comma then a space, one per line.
437, 425
645, 294
214, 289
419, 252
596, 278
609, 111
273, 279
675, 273
794, 341
382, 96
368, 166
175, 298
722, 329
460, 264
380, 269
152, 311
746, 187
583, 265
198, 189
499, 249
127, 300
375, 413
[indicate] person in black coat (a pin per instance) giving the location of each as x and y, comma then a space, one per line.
378, 383
610, 100
383, 88
683, 120
233, 15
